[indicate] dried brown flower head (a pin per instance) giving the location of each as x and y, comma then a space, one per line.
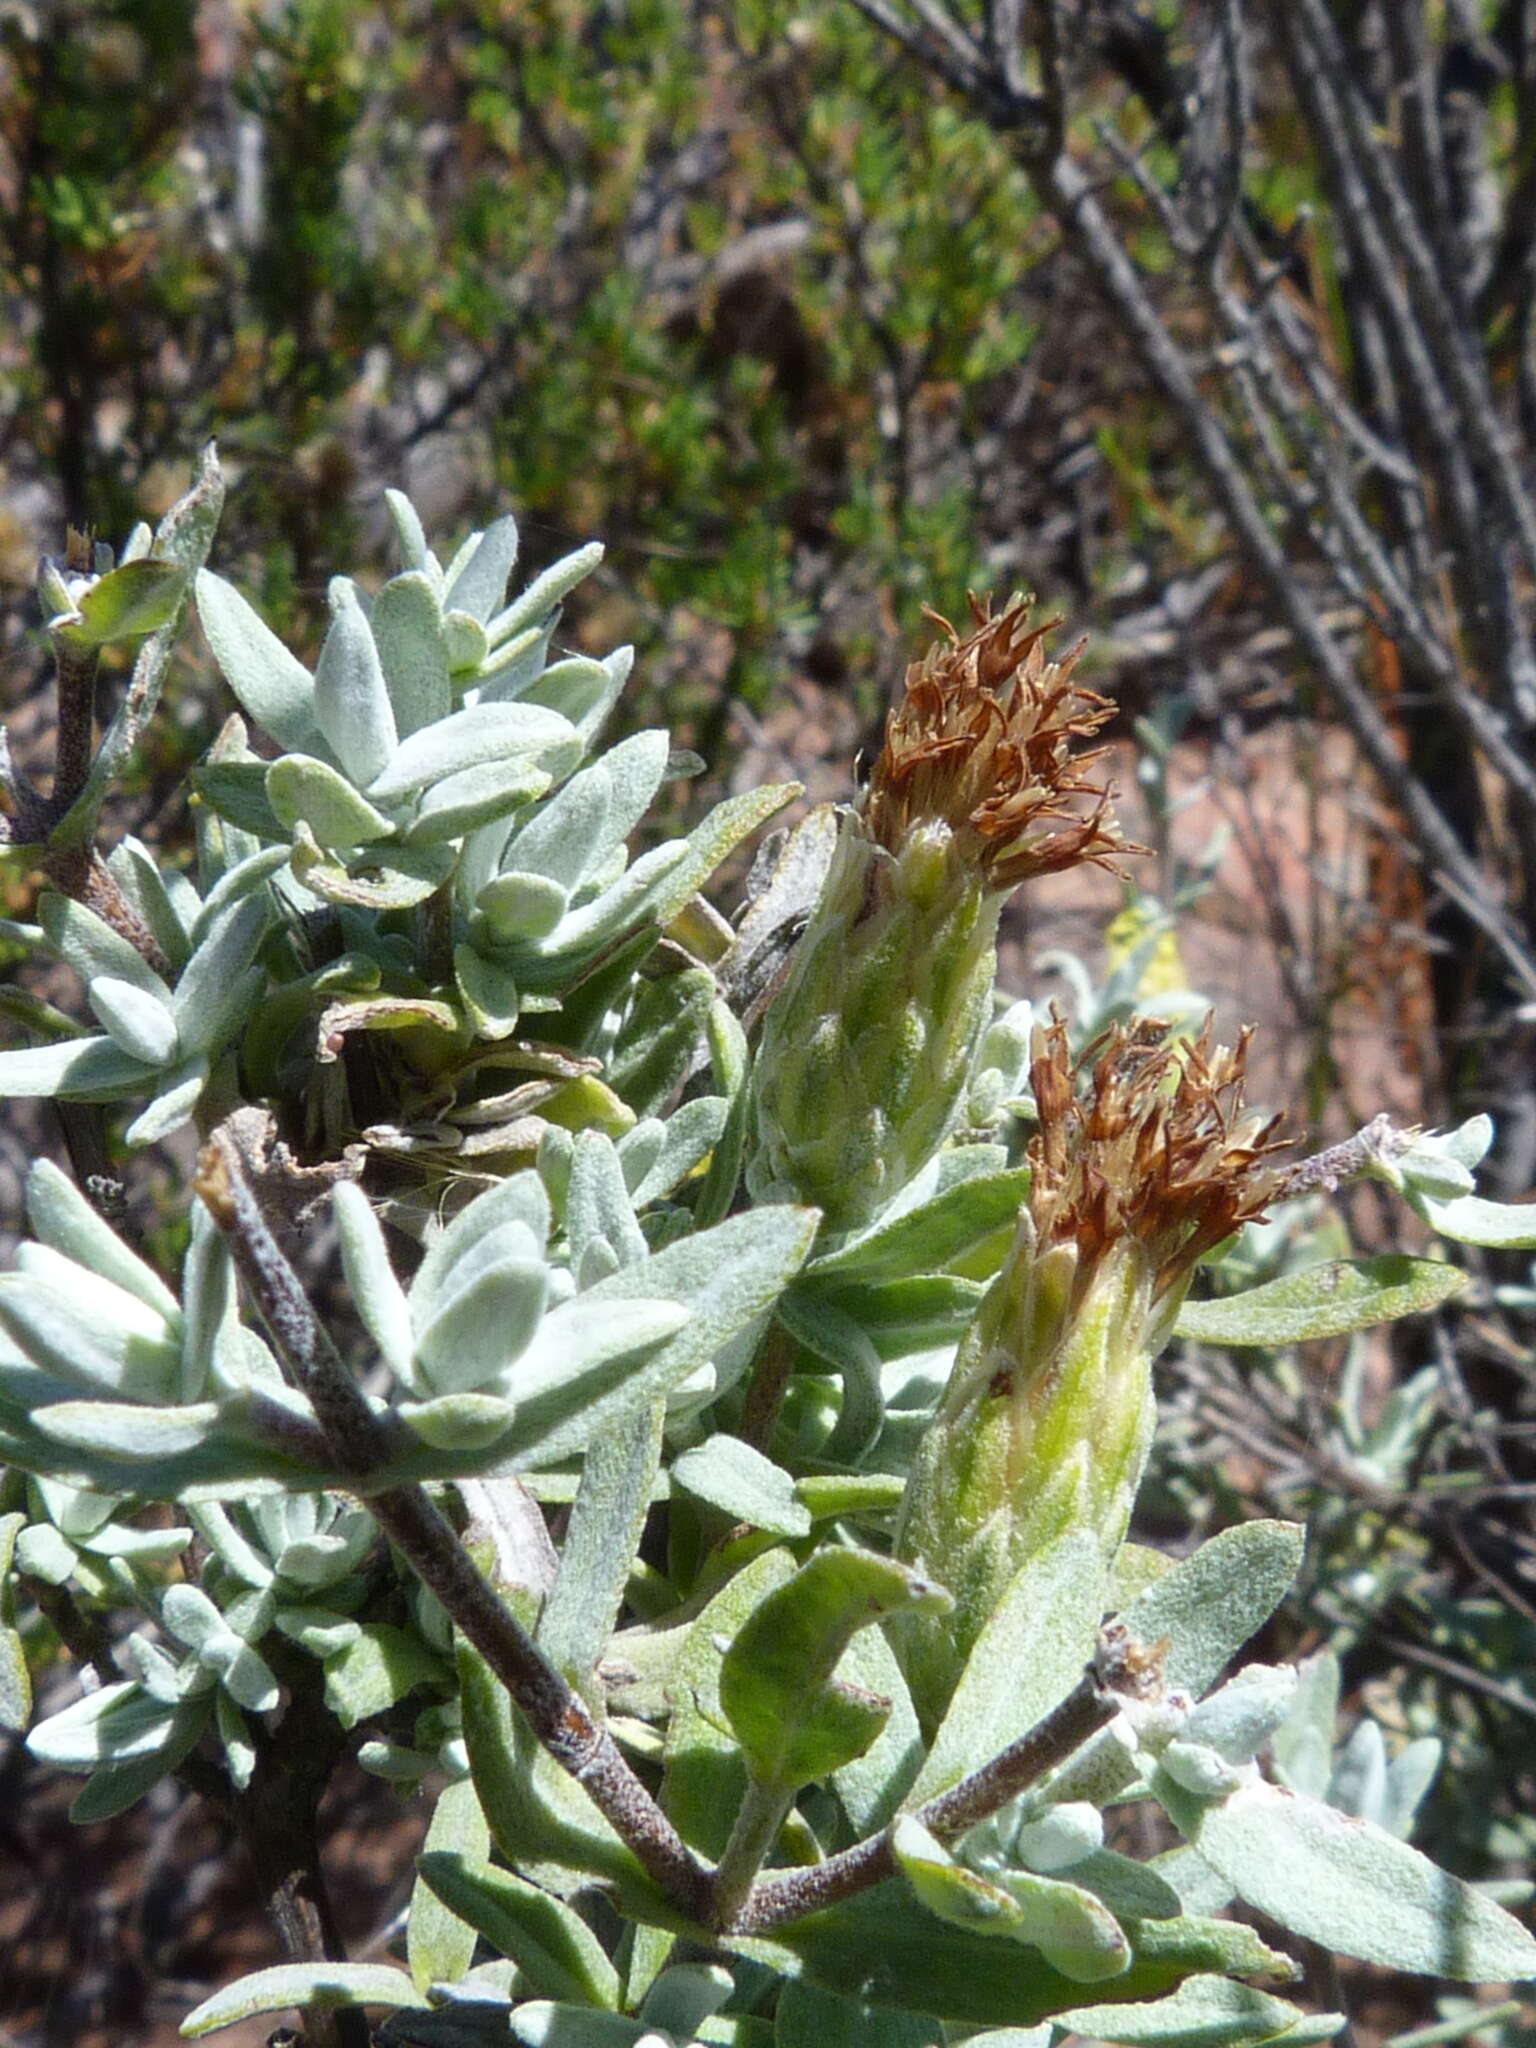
988, 739
1145, 1139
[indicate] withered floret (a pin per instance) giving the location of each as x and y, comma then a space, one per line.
1145, 1138
988, 738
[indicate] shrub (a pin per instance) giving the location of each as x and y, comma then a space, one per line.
821, 1284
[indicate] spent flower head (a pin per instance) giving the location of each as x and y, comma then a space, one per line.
1145, 1139
988, 740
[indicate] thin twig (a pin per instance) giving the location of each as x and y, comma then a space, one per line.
785, 1896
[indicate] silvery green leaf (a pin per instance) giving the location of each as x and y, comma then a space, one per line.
233, 1550
808, 2017
1359, 1783
636, 769
1027, 1658
407, 875
639, 1149
545, 592
380, 1665
1303, 1744
472, 738
115, 1724
273, 686
794, 1718
377, 1295
1131, 1890
1063, 1835
174, 1100
473, 797
586, 930
89, 945
661, 1038
945, 1232
729, 1057
598, 1555
1211, 1603
78, 1512
465, 639
212, 993
488, 992
481, 583
86, 1330
141, 1024
600, 1223
193, 1619
1239, 1719
158, 899
1469, 1219
235, 1740
408, 531
127, 603
439, 1945
724, 1277
15, 1678
1353, 1887
519, 907
143, 1546
1409, 1776
484, 1313
598, 1342
316, 1561
85, 1069
566, 836
460, 557
1325, 1301
407, 625
717, 835
1205, 2012
161, 1676
311, 1987
1466, 1145
64, 1220
239, 881
351, 701
692, 1130
319, 1630
733, 1477
126, 1431
237, 790
207, 1293
951, 1889
513, 666
553, 1947
1198, 1769
300, 787
458, 1422
44, 1553
115, 1786
684, 1996
542, 2023
586, 691
1072, 1927
872, 1786
520, 1198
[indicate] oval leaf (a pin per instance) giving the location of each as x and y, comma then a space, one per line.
1327, 1300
